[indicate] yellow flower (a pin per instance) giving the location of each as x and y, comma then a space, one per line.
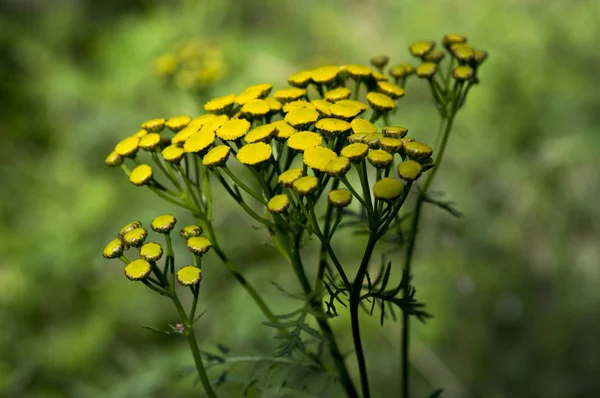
181, 137
338, 166
360, 105
189, 276
301, 118
394, 131
379, 158
135, 237
213, 124
380, 102
151, 251
409, 170
113, 249
345, 111
220, 105
113, 159
380, 61
154, 125
190, 231
392, 145
362, 126
300, 79
138, 269
177, 123
172, 153
463, 52
435, 56
256, 108
338, 94
288, 177
354, 138
289, 94
339, 197
355, 152
322, 107
325, 74
201, 120
463, 72
262, 133
283, 131
139, 133
129, 227
359, 72
198, 245
305, 185
248, 95
453, 38
291, 106
141, 175
372, 139
278, 204
331, 126
216, 156
163, 224
426, 69
253, 154
274, 105
401, 70
417, 151
387, 189
380, 77
304, 140
233, 129
318, 157
263, 88
199, 141
421, 48
127, 147
390, 89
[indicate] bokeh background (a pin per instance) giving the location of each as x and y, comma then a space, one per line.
513, 284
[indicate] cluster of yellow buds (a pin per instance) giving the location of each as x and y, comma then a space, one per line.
194, 65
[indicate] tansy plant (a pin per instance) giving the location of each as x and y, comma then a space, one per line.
320, 156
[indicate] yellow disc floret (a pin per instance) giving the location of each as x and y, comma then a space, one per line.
289, 94
380, 102
387, 189
141, 175
253, 154
301, 118
163, 224
362, 126
288, 177
199, 141
113, 249
113, 159
338, 94
394, 131
427, 69
278, 204
390, 89
233, 129
420, 48
190, 231
355, 152
318, 157
338, 167
256, 108
379, 158
409, 170
138, 269
305, 185
339, 197
300, 79
417, 150
262, 133
151, 251
150, 142
176, 123
304, 140
220, 105
331, 126
135, 237
189, 276
154, 125
216, 156
127, 147
283, 131
198, 245
172, 153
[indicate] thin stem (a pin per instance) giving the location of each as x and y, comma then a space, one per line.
243, 186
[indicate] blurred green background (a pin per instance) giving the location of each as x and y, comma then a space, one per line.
513, 285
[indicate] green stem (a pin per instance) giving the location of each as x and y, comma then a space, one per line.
243, 186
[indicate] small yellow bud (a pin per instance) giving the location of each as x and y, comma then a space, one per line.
217, 156
283, 131
409, 170
135, 237
401, 70
172, 153
150, 142
278, 204
113, 249
138, 269
262, 133
392, 145
421, 48
463, 52
325, 74
302, 118
220, 105
233, 129
318, 157
480, 56
127, 147
372, 139
256, 108
176, 123
129, 227
359, 72
289, 94
355, 152
305, 185
453, 38
417, 150
360, 126
253, 154
288, 177
300, 79
427, 70
189, 276
390, 89
354, 138
379, 158
163, 224
380, 61
345, 111
141, 175
198, 245
435, 56
338, 94
190, 231
340, 197
394, 131
387, 189
154, 125
291, 106
274, 105
304, 140
199, 141
151, 251
338, 167
463, 72
139, 133
113, 159
322, 107
380, 102
331, 126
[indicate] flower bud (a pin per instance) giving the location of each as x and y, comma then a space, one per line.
380, 61
421, 48
151, 251
387, 189
394, 131
172, 154
417, 150
113, 159
340, 197
338, 167
141, 175
435, 56
338, 94
401, 70
355, 152
379, 158
392, 145
129, 227
138, 269
163, 224
190, 231
288, 177
128, 147
409, 170
453, 38
381, 102
426, 70
113, 249
135, 237
177, 123
278, 204
189, 276
150, 142
463, 72
217, 156
154, 125
305, 185
198, 245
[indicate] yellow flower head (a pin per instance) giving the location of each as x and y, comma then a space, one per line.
220, 105
345, 111
338, 94
113, 249
190, 231
199, 141
274, 105
216, 156
198, 245
262, 133
305, 185
372, 139
292, 106
417, 151
213, 124
301, 118
181, 137
177, 123
453, 38
248, 95
253, 154
380, 77
380, 102
340, 197
201, 120
426, 70
151, 251
141, 175
138, 269
256, 108
318, 157
154, 125
362, 126
463, 52
304, 140
263, 88
288, 177
390, 89
127, 147
392, 145
129, 227
394, 131
463, 72
233, 129
360, 105
283, 131
409, 170
359, 72
421, 48
300, 79
354, 138
189, 276
435, 56
163, 224
139, 133
355, 152
135, 237
331, 126
401, 70
380, 61
480, 56
172, 153
325, 74
278, 203
379, 158
113, 159
289, 94
322, 107
387, 189
338, 167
